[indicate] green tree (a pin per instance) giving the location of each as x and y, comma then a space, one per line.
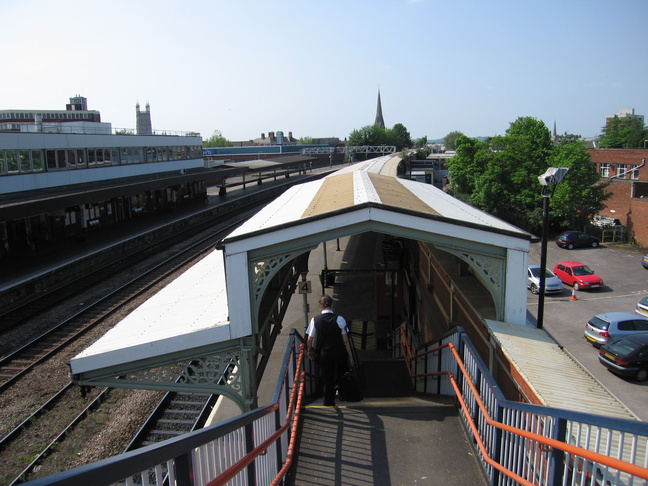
500, 176
368, 135
305, 141
217, 140
450, 140
581, 195
374, 135
401, 137
623, 133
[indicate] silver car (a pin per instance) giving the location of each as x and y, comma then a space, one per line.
603, 328
552, 283
642, 307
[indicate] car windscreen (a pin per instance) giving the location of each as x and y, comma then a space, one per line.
623, 346
584, 270
599, 323
536, 272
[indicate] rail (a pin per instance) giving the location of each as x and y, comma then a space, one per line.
528, 444
254, 448
517, 443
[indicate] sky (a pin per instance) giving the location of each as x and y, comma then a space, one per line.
314, 68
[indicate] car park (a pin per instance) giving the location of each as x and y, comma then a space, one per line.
642, 307
573, 239
604, 328
627, 356
578, 275
552, 283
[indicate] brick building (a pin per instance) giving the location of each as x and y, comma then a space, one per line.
626, 169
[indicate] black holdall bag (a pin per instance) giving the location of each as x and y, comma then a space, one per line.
351, 385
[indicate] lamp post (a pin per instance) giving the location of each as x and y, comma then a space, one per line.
549, 179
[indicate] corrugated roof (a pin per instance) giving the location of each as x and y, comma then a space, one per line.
559, 380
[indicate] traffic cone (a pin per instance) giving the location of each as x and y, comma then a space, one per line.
573, 295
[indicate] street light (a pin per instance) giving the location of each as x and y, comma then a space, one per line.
548, 180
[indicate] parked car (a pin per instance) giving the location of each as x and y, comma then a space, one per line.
573, 239
552, 283
578, 275
604, 328
642, 307
627, 356
644, 262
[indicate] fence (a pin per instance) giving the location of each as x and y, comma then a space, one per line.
522, 443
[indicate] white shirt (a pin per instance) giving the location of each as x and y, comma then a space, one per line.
340, 322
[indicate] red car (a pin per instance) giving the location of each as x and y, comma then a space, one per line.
578, 275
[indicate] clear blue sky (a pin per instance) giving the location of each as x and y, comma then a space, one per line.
244, 67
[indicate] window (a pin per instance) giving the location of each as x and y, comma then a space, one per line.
92, 157
634, 172
60, 159
12, 162
50, 157
37, 160
3, 167
604, 170
621, 171
25, 161
625, 325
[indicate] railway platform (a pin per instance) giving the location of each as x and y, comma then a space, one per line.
19, 269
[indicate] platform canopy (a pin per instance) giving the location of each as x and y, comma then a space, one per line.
368, 196
206, 329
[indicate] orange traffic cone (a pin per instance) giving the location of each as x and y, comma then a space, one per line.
573, 295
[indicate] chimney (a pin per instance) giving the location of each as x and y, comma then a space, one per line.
263, 136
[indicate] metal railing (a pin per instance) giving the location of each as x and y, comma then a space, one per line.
254, 448
521, 443
517, 443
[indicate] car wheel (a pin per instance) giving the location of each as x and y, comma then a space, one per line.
576, 286
594, 244
570, 246
642, 374
534, 289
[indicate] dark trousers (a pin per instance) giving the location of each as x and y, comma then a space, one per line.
333, 364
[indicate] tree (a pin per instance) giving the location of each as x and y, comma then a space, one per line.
402, 138
449, 141
217, 140
305, 141
500, 176
581, 195
375, 135
623, 133
368, 135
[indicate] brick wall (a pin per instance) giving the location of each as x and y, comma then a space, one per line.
632, 212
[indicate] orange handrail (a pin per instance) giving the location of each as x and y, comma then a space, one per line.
627, 467
295, 399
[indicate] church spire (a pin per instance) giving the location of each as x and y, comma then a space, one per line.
379, 116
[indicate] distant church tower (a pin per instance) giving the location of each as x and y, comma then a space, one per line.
379, 118
144, 120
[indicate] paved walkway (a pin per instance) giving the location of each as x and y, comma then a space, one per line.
388, 438
383, 443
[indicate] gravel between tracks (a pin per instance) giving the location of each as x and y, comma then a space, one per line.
108, 432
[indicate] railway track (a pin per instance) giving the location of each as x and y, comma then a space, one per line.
66, 400
40, 409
